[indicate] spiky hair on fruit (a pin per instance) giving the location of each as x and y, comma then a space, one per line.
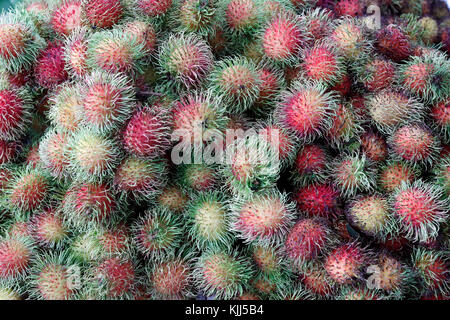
318, 200
29, 190
66, 16
50, 67
263, 218
10, 291
352, 173
157, 233
52, 152
440, 113
389, 109
15, 111
350, 38
153, 8
442, 174
323, 63
222, 274
420, 209
306, 109
92, 155
9, 151
318, 22
242, 18
310, 165
140, 179
173, 198
197, 177
75, 52
195, 16
208, 217
108, 101
393, 42
49, 229
252, 164
345, 263
415, 144
53, 276
184, 60
432, 268
89, 205
272, 82
346, 126
16, 253
393, 173
282, 38
308, 240
373, 146
115, 51
102, 13
143, 30
269, 260
316, 280
372, 215
20, 44
236, 80
65, 107
357, 292
426, 76
376, 73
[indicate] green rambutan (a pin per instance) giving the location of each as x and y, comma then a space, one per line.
269, 260
198, 177
209, 220
185, 60
10, 291
196, 16
306, 109
143, 31
222, 274
356, 293
173, 198
349, 36
419, 209
263, 218
236, 80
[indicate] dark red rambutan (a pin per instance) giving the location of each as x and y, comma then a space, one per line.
440, 112
318, 199
15, 112
103, 13
8, 150
117, 277
50, 66
373, 146
392, 41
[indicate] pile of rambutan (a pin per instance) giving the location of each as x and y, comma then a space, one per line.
225, 149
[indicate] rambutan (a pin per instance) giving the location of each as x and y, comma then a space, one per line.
242, 17
317, 281
263, 218
376, 73
318, 22
345, 126
198, 177
48, 229
144, 32
173, 198
310, 164
196, 16
66, 17
392, 41
8, 151
154, 8
440, 113
350, 38
419, 209
442, 173
272, 82
75, 52
65, 107
318, 200
432, 268
52, 152
49, 70
393, 276
373, 146
350, 8
393, 174
102, 13
15, 257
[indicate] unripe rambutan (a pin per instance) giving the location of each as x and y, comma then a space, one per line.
394, 173
440, 113
48, 229
49, 70
143, 31
350, 8
441, 171
419, 209
15, 256
282, 39
432, 268
53, 276
392, 41
222, 274
414, 144
345, 126
323, 63
263, 218
171, 279
154, 8
28, 191
91, 204
115, 51
66, 17
196, 115
309, 238
15, 111
426, 76
376, 73
429, 30
357, 293
102, 13
157, 234
310, 164
389, 109
318, 200
306, 109
237, 81
92, 156
147, 133
196, 16
19, 44
350, 38
140, 178
173, 198
113, 278
318, 22
9, 291
353, 173
317, 281
252, 164
242, 17
75, 52
198, 177
52, 152
108, 101
185, 60
209, 220
269, 260
65, 107
345, 263
373, 146
372, 215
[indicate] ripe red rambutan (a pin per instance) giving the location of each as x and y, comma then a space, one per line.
374, 146
310, 164
15, 257
392, 41
67, 16
318, 200
103, 13
50, 69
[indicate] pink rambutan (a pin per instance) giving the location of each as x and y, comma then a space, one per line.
15, 257
67, 17
50, 66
